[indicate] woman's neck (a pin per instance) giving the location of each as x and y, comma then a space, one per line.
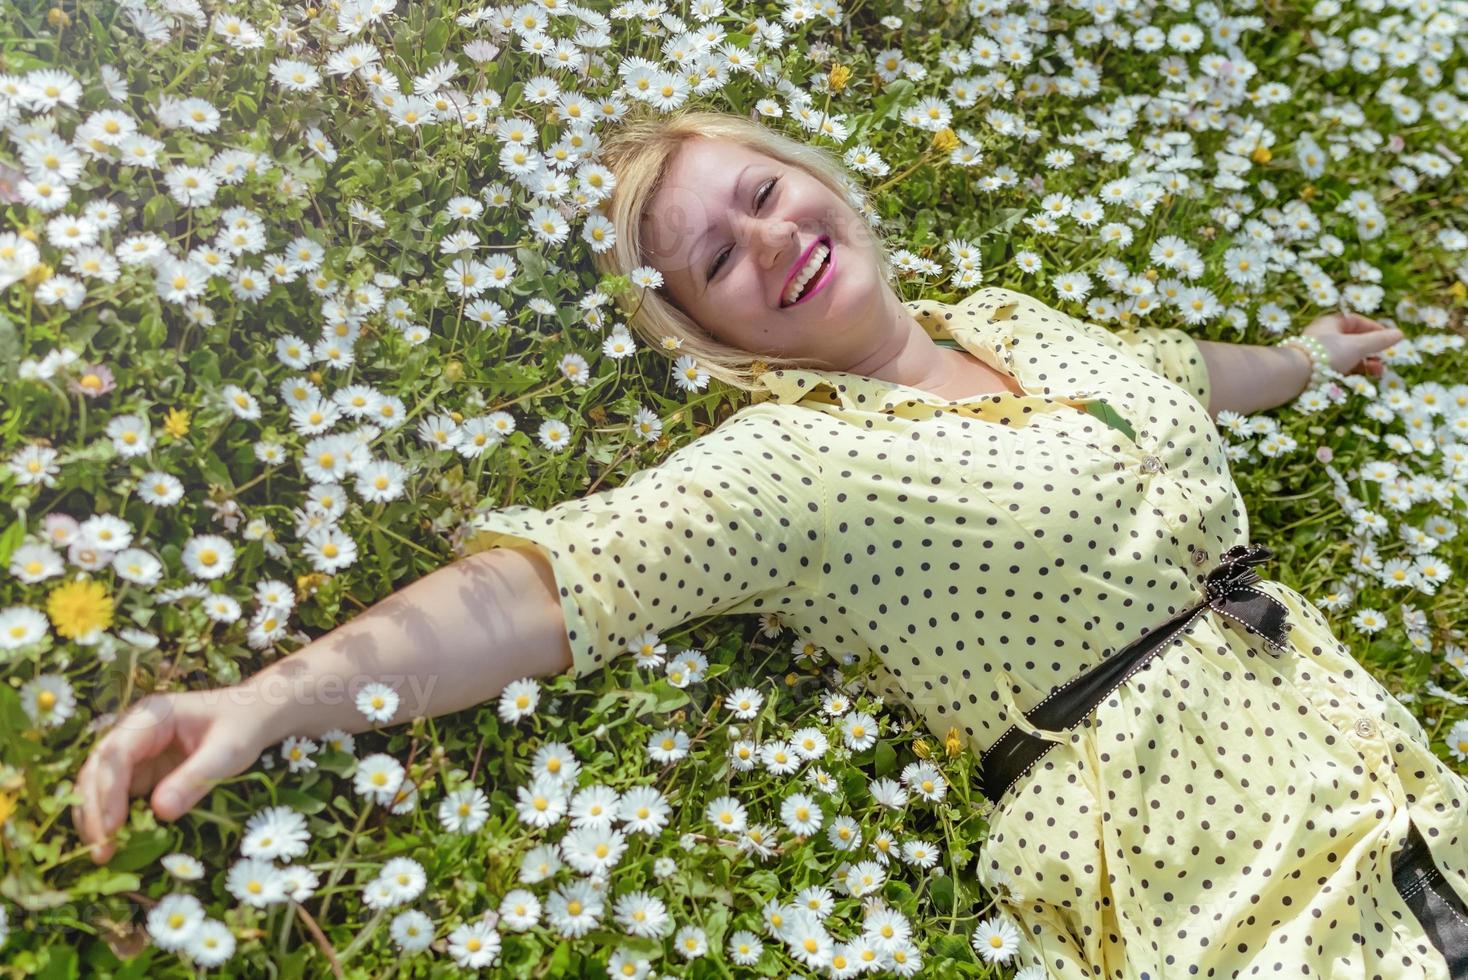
909, 356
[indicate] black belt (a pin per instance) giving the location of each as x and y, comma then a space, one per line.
1227, 590
1443, 914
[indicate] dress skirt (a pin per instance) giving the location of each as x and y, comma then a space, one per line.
1229, 811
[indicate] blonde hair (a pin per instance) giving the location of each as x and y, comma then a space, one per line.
638, 153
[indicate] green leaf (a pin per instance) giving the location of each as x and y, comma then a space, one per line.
13, 724
152, 331
142, 849
1111, 417
10, 540
922, 226
9, 349
886, 758
157, 212
950, 947
669, 697
531, 262
304, 802
106, 881
941, 892
560, 960
215, 471
61, 964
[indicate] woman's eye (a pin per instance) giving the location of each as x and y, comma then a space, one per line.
763, 195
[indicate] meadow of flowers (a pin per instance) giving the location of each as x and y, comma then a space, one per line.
289, 292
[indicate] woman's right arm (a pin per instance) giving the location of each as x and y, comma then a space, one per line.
450, 640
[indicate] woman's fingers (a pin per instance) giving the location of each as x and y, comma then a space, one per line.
89, 816
141, 734
1355, 323
177, 793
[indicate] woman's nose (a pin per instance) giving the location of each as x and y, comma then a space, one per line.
768, 238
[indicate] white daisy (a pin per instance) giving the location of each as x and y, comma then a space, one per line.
809, 743
378, 777
554, 760
518, 700
859, 731
539, 863
668, 745
377, 702
541, 804
691, 942
744, 703
474, 945
185, 867
745, 948
519, 910
275, 833
801, 814
924, 779
643, 810
594, 806
296, 751
1457, 739
574, 909
642, 914
405, 877
996, 940
920, 853
411, 930
647, 649
844, 833
593, 850
48, 699
464, 810
727, 814
212, 944
174, 921
255, 882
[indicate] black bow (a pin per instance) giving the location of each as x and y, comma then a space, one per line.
1230, 592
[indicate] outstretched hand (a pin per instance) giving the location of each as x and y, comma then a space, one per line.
174, 745
1354, 342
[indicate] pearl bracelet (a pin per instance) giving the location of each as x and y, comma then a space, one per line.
1320, 370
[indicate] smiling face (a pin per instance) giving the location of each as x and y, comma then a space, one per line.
731, 229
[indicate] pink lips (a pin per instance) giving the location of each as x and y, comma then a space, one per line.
820, 283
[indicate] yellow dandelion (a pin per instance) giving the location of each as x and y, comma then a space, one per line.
78, 607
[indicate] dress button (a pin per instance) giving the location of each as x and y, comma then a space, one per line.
1365, 728
1151, 464
1200, 556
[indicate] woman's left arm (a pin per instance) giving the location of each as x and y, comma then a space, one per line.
1247, 378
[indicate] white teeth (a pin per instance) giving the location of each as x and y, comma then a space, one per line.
811, 266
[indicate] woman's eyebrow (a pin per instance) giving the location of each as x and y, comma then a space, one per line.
697, 248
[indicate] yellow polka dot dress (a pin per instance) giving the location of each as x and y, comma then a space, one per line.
1225, 812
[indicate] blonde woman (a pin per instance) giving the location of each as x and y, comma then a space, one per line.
1027, 520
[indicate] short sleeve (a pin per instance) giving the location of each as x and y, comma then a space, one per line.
1170, 352
729, 523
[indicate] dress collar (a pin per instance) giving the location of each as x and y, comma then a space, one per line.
987, 335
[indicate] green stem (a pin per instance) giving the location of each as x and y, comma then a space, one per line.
337, 868
921, 160
192, 66
362, 936
399, 538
